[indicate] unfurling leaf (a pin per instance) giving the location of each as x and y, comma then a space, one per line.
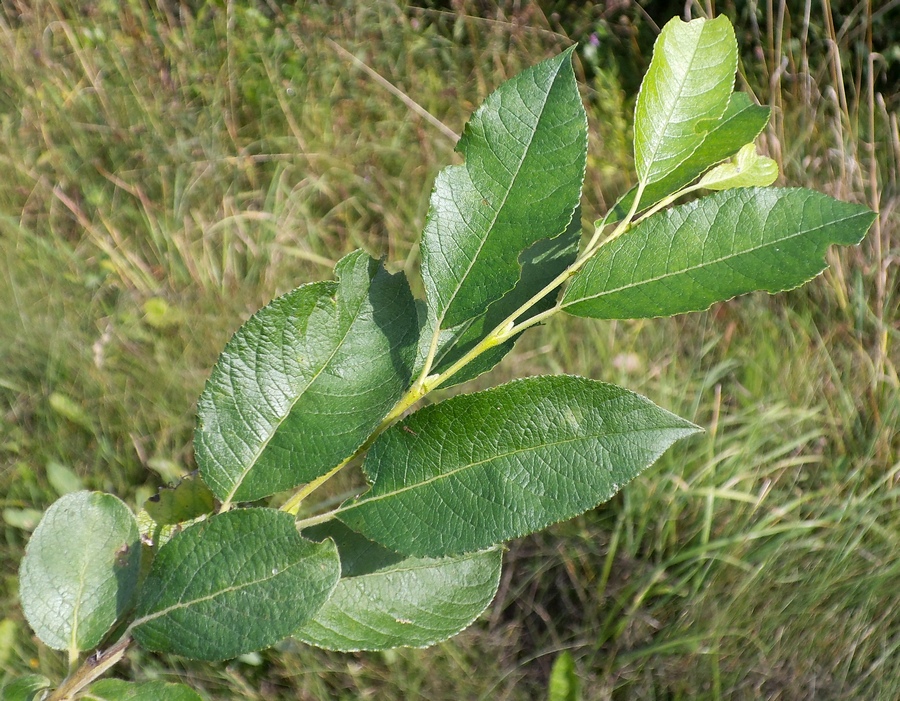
748, 169
480, 469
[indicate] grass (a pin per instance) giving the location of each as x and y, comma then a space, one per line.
168, 172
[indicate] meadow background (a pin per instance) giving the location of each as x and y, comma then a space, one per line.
168, 167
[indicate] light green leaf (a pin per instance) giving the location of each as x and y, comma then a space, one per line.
186, 501
63, 479
80, 569
748, 169
118, 690
23, 519
384, 600
564, 682
234, 583
740, 125
31, 687
712, 249
525, 152
684, 93
305, 381
480, 469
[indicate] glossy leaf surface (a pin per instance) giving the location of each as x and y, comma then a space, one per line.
305, 381
480, 469
237, 582
525, 152
709, 250
80, 570
683, 95
384, 600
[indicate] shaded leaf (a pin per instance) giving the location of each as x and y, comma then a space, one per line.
712, 249
525, 152
118, 690
480, 469
684, 93
305, 381
384, 600
185, 501
80, 569
28, 688
234, 583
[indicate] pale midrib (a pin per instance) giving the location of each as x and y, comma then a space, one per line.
509, 190
706, 264
493, 458
264, 444
658, 141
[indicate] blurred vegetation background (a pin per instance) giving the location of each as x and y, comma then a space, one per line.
168, 167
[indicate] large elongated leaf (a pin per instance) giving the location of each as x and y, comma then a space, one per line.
384, 600
712, 249
684, 93
479, 469
525, 151
305, 381
232, 584
740, 125
118, 690
80, 569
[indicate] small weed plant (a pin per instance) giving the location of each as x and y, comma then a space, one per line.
326, 377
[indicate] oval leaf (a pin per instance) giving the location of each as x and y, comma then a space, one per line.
80, 569
709, 250
237, 582
27, 688
747, 169
305, 381
480, 469
118, 690
684, 93
385, 601
525, 151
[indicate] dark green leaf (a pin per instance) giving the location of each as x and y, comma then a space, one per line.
305, 381
384, 600
118, 690
237, 582
79, 571
525, 151
28, 688
684, 93
740, 125
479, 469
712, 249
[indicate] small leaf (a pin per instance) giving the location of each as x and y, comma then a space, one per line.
305, 381
234, 583
564, 682
684, 93
80, 569
71, 410
63, 479
748, 169
23, 519
384, 600
712, 249
480, 469
31, 687
740, 125
184, 502
525, 152
118, 690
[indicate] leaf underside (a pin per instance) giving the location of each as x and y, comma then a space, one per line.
712, 249
305, 381
235, 583
480, 469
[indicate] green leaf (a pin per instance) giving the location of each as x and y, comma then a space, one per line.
186, 501
305, 381
541, 263
28, 688
80, 569
740, 125
748, 169
525, 152
684, 93
712, 249
564, 682
118, 690
234, 583
63, 479
23, 519
480, 469
384, 600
